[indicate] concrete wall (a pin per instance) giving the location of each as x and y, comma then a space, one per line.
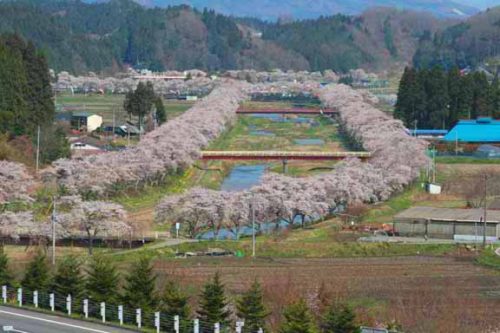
441, 229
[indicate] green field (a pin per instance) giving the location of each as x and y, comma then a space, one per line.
245, 134
107, 105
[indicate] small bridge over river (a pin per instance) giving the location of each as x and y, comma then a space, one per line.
282, 155
303, 111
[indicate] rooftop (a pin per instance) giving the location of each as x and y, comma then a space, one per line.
83, 114
483, 129
448, 214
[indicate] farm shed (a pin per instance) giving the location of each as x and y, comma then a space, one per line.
447, 223
480, 130
85, 120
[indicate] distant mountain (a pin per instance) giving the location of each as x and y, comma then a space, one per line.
471, 43
307, 9
481, 4
106, 37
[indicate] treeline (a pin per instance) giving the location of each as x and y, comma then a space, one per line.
105, 37
26, 101
100, 281
328, 42
437, 99
466, 44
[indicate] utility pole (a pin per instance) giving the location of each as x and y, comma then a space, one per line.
53, 231
253, 226
113, 130
485, 206
38, 148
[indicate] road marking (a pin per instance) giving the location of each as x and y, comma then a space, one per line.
12, 329
53, 322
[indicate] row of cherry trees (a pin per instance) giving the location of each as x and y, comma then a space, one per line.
397, 160
75, 218
173, 146
177, 144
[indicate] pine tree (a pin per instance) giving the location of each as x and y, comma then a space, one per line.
339, 319
454, 82
5, 274
250, 307
213, 304
37, 274
68, 279
297, 318
140, 285
436, 89
161, 114
102, 280
174, 303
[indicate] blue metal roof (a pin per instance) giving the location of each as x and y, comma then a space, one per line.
479, 130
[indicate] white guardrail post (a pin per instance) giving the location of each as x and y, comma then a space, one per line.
4, 294
20, 296
216, 328
157, 322
239, 326
52, 302
86, 308
68, 304
176, 324
120, 314
138, 318
196, 326
103, 311
35, 298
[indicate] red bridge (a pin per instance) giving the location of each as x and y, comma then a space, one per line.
282, 155
287, 111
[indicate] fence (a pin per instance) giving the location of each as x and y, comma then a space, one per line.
116, 315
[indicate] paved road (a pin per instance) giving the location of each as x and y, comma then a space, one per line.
33, 322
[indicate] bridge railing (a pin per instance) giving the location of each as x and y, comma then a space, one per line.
284, 154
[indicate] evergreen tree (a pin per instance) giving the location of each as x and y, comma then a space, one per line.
250, 307
339, 319
161, 113
140, 285
5, 274
140, 102
297, 318
13, 106
53, 143
174, 303
213, 304
466, 97
480, 88
37, 274
404, 104
495, 85
454, 90
437, 98
102, 280
68, 279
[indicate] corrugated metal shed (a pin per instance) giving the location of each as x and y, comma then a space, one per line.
447, 214
480, 130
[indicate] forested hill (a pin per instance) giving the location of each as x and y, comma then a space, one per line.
467, 44
81, 37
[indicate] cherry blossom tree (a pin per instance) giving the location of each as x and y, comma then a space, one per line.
94, 218
15, 182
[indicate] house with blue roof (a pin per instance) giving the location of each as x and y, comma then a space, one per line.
480, 130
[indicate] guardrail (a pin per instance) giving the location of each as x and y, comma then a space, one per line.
280, 155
